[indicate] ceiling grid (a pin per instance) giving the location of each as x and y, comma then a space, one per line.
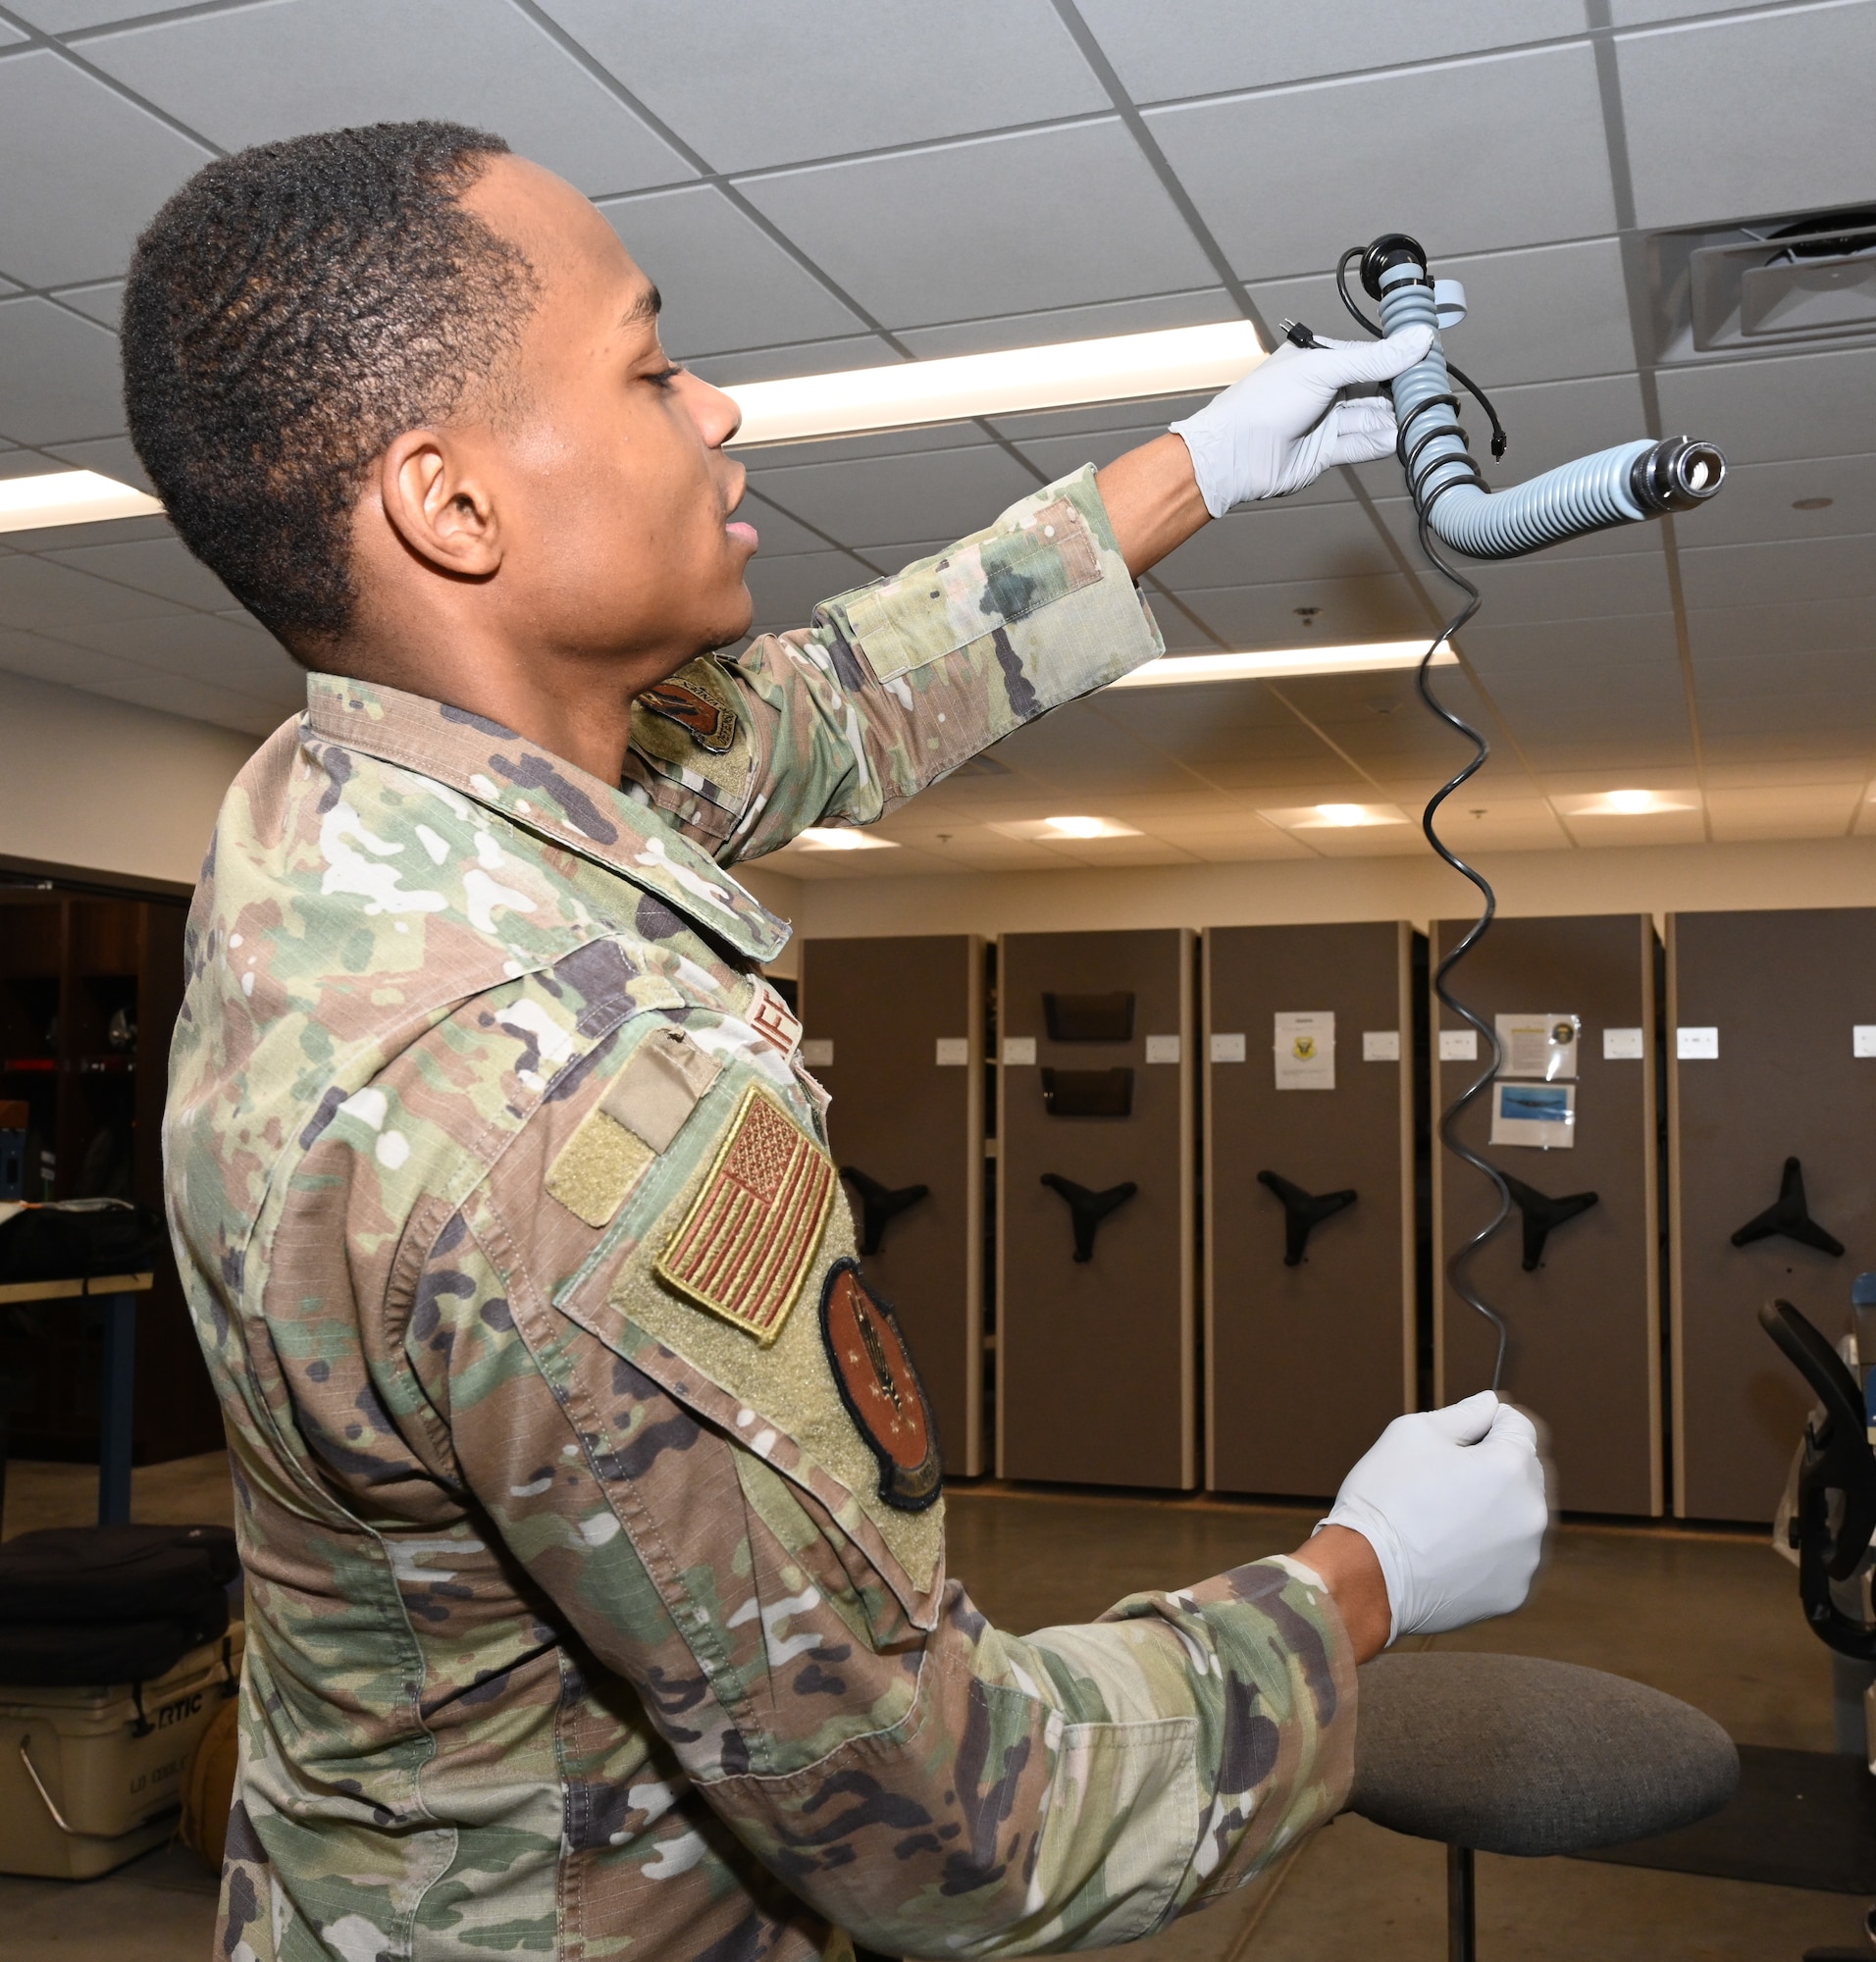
849, 182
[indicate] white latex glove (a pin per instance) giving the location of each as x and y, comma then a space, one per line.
1452, 1501
1283, 425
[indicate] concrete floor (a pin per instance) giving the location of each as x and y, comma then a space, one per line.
1710, 1616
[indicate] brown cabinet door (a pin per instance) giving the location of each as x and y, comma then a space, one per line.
1095, 1357
902, 1119
1305, 1364
1785, 991
1585, 1348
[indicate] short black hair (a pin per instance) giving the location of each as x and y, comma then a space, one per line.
288, 312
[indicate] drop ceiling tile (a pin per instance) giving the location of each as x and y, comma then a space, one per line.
37, 594
787, 589
1143, 419
162, 566
1545, 315
1536, 117
787, 360
1555, 651
1551, 422
1280, 542
59, 377
1577, 589
1061, 455
1823, 720
66, 17
726, 284
110, 531
781, 535
1078, 752
1802, 626
845, 448
1759, 503
1746, 574
23, 463
1199, 47
1776, 750
1638, 13
102, 302
1611, 760
1051, 218
902, 500
1181, 633
257, 74
69, 666
1666, 827
1199, 308
1366, 840
83, 169
1847, 672
110, 456
9, 36
202, 702
1809, 770
204, 647
1682, 83
1238, 848
1774, 410
798, 79
1349, 610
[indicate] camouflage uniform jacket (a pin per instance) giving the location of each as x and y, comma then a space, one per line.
593, 1606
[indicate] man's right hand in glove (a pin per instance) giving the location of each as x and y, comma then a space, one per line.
1451, 1510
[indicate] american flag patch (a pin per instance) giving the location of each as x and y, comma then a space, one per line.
744, 1248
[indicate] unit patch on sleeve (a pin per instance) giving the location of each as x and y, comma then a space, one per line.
743, 1247
712, 724
881, 1389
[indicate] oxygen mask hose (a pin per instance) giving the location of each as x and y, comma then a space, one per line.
1635, 480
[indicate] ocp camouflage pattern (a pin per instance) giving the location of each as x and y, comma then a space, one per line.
576, 1624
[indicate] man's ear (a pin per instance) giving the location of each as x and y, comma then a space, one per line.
440, 502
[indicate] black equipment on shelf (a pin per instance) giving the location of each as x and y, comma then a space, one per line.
1542, 1216
1088, 1210
880, 1205
1789, 1215
1303, 1212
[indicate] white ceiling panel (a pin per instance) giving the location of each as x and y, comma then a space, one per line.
1842, 671
1348, 611
1577, 589
84, 171
1053, 218
202, 702
102, 302
845, 449
35, 592
780, 534
1806, 811
725, 282
1638, 13
59, 375
65, 17
9, 36
1543, 316
109, 456
1559, 648
786, 591
1084, 752
791, 79
68, 538
162, 566
227, 653
1802, 626
1790, 88
799, 357
1536, 117
901, 499
256, 74
1776, 410
1760, 502
1200, 47
1278, 541
1198, 308
67, 665
1147, 418
1746, 574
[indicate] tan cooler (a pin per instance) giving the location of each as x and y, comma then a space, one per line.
93, 1778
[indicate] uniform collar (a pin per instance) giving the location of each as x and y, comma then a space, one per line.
543, 794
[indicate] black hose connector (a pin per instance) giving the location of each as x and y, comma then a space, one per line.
1679, 473
1390, 249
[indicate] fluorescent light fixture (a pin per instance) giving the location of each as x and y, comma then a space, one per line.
1118, 368
1361, 658
1061, 830
842, 838
1334, 816
1629, 803
69, 498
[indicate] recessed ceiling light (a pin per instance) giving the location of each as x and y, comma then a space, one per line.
1042, 830
1627, 803
842, 838
1334, 816
69, 498
1362, 658
1117, 368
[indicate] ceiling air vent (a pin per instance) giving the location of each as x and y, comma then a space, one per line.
1803, 279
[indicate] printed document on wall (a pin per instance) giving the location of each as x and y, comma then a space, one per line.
1541, 1046
1306, 1049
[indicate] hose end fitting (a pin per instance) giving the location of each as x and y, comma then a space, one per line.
1679, 473
1390, 249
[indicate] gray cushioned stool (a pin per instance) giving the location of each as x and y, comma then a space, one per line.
1510, 1754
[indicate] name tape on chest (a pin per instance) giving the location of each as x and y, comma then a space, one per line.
744, 1248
